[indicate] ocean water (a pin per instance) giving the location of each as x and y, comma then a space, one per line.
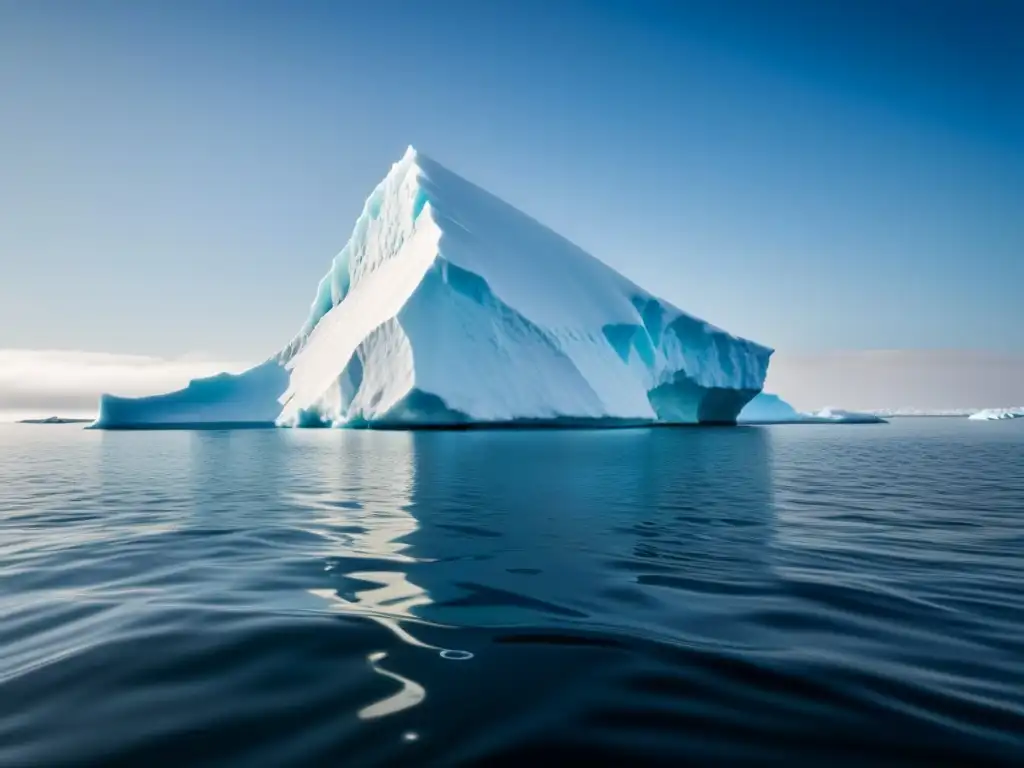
849, 594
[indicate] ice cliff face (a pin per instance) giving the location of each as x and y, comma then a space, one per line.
448, 306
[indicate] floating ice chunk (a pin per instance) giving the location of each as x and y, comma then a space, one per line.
766, 408
840, 416
771, 409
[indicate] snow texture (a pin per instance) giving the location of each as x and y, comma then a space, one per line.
997, 414
450, 307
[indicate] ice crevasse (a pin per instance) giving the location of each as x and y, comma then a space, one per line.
449, 307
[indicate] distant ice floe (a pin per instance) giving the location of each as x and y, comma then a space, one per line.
840, 416
767, 408
997, 414
887, 412
933, 412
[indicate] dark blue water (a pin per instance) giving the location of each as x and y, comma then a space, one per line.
799, 593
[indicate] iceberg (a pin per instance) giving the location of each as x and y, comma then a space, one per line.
450, 307
766, 408
997, 414
841, 416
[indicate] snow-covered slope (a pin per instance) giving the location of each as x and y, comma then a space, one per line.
997, 414
449, 306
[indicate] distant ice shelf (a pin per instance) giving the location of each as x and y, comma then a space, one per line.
771, 409
932, 412
449, 307
997, 414
841, 416
55, 420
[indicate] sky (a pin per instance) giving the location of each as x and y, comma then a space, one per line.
818, 176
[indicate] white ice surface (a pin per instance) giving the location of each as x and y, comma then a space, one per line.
840, 416
997, 414
448, 305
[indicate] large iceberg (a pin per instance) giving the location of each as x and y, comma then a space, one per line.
450, 307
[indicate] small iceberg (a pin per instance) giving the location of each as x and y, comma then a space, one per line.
55, 420
767, 408
840, 416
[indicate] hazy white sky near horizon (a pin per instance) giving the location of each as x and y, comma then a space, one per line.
40, 383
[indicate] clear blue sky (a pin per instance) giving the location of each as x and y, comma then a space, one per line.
175, 177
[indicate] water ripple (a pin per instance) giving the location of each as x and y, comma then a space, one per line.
655, 596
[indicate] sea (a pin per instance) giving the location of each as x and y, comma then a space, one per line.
792, 594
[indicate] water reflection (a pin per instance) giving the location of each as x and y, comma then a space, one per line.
410, 694
357, 488
659, 528
664, 530
256, 591
660, 531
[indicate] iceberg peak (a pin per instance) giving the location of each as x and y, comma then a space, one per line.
449, 306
